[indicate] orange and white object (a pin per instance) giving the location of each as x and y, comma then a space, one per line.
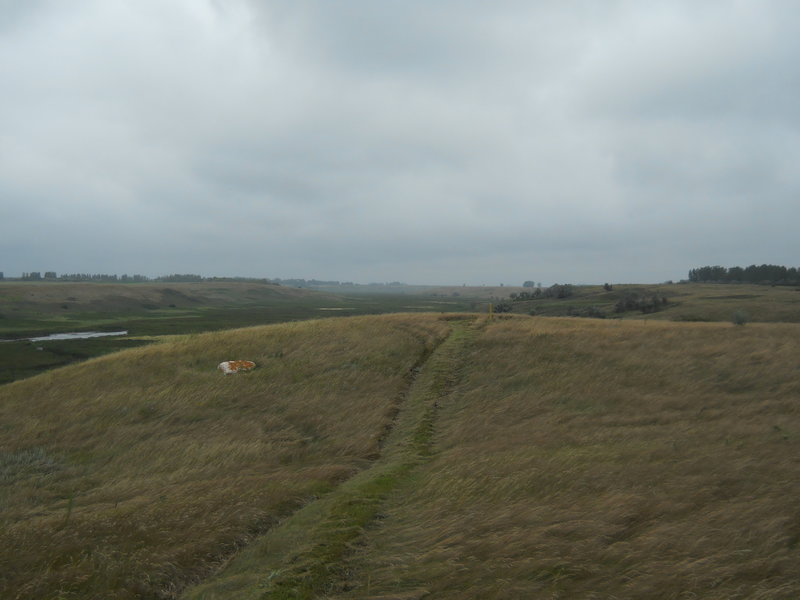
234, 366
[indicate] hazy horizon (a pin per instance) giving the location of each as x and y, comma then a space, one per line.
429, 143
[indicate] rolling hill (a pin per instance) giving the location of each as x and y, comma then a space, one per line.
411, 456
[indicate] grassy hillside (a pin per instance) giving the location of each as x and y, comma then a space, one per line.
592, 459
145, 308
155, 309
569, 458
684, 302
412, 456
165, 308
130, 475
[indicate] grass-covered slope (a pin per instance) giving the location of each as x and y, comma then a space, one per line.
529, 458
130, 475
696, 302
591, 459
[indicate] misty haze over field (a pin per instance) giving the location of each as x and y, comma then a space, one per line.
426, 142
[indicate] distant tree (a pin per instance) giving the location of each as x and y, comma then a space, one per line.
529, 284
735, 274
50, 275
608, 287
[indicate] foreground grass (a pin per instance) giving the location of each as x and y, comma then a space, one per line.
592, 459
306, 556
533, 458
131, 475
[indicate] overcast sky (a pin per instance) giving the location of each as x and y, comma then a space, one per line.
434, 141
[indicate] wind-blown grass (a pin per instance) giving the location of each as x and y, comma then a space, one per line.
563, 458
131, 475
591, 459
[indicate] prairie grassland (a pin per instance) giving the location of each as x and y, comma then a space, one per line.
686, 302
305, 556
718, 302
131, 475
599, 459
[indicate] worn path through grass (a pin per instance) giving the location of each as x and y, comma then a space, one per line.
306, 556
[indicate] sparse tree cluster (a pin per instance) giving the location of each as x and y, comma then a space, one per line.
554, 291
502, 307
771, 274
645, 304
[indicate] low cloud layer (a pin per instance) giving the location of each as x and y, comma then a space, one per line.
427, 142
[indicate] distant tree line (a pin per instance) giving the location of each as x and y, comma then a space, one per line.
308, 282
772, 274
303, 283
187, 277
125, 278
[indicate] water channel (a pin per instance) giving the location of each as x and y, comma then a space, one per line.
80, 335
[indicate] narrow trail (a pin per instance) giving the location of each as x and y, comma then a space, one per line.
305, 556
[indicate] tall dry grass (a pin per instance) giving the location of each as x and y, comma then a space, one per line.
591, 459
131, 475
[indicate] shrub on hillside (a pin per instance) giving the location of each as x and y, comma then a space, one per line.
502, 307
645, 304
740, 317
554, 291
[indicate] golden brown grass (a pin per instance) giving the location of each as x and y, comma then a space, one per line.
719, 302
305, 556
45, 295
693, 302
564, 458
592, 459
131, 475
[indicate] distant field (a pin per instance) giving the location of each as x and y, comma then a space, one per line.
412, 456
685, 302
149, 310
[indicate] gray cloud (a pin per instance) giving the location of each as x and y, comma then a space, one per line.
427, 142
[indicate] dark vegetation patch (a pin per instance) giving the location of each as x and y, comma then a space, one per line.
22, 359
